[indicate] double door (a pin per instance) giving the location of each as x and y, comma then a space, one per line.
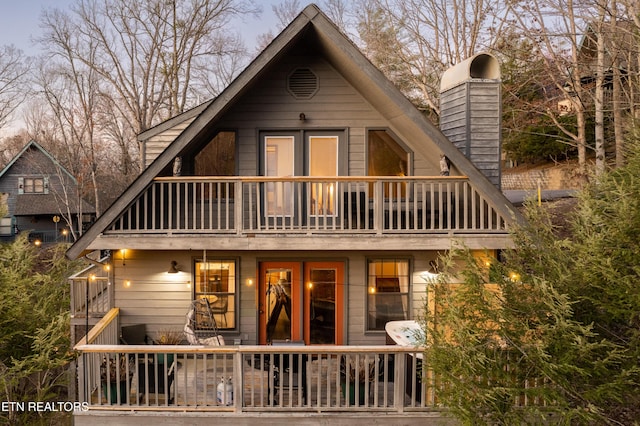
313, 154
301, 301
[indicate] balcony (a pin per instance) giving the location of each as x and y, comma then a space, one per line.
246, 206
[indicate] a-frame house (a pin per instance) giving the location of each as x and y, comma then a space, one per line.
306, 203
41, 198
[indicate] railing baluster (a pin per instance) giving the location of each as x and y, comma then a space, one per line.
308, 204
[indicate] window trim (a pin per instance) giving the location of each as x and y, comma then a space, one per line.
232, 308
397, 139
407, 294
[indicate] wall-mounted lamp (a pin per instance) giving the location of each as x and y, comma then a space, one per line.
432, 274
123, 252
249, 282
173, 269
302, 116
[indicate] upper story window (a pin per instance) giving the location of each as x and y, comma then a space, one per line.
386, 156
33, 185
218, 157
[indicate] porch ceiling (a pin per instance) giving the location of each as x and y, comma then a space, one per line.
314, 242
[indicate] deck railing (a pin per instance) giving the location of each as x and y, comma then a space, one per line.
273, 378
91, 294
256, 378
249, 205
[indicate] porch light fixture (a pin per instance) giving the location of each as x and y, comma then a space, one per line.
173, 269
433, 272
302, 116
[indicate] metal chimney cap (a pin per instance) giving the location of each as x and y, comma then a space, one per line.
481, 66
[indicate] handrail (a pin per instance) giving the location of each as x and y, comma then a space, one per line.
246, 205
305, 178
268, 349
95, 332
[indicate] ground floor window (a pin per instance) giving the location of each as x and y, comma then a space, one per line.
387, 292
216, 280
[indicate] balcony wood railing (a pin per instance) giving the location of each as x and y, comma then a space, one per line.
250, 205
274, 378
91, 293
258, 378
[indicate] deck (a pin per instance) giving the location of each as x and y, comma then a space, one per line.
274, 379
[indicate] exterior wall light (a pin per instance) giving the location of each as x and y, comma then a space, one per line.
173, 269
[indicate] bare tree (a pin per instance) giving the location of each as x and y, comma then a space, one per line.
599, 90
143, 53
13, 66
431, 35
73, 98
554, 27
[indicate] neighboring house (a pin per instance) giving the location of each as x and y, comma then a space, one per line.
41, 197
620, 61
306, 203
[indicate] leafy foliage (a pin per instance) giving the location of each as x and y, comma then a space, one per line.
34, 325
556, 323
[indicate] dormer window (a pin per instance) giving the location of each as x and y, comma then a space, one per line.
33, 185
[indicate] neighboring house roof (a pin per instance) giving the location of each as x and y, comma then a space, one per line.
345, 57
45, 204
34, 145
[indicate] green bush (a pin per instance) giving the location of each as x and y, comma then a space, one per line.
560, 326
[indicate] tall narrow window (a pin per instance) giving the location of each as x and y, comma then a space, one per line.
388, 292
323, 161
279, 162
216, 280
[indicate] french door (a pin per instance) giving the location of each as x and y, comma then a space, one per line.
315, 154
301, 301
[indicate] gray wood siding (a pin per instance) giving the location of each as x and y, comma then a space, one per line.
156, 144
161, 301
336, 105
471, 119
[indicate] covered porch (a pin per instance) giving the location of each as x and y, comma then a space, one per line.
238, 382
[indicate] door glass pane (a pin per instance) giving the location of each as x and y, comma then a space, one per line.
322, 301
323, 161
279, 161
278, 304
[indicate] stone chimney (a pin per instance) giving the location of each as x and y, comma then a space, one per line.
471, 112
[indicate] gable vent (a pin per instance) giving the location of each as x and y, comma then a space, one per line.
302, 83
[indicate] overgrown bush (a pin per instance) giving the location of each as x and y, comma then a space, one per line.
559, 326
34, 327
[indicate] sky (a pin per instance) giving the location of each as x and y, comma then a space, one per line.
19, 22
20, 19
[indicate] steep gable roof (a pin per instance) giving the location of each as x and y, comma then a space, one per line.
347, 59
34, 145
